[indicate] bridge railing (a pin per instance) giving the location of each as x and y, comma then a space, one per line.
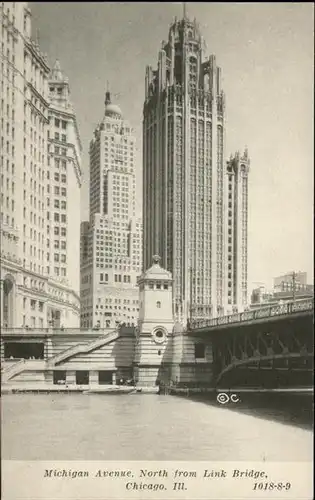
264, 312
53, 331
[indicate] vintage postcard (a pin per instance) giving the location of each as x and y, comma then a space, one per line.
157, 292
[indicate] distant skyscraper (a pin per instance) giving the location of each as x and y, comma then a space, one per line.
111, 242
184, 174
32, 292
237, 228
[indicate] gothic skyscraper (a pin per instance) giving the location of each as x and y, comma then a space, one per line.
184, 173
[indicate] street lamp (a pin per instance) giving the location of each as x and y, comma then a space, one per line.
293, 284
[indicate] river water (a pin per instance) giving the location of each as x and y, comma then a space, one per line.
145, 427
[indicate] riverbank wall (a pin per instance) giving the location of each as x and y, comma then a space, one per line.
68, 389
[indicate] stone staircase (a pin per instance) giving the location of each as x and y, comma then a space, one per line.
83, 348
8, 372
12, 369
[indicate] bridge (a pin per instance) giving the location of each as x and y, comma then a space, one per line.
268, 347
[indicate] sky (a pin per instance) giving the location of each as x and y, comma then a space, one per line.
266, 52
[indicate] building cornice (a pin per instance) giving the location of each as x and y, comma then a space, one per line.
66, 114
38, 95
29, 44
17, 267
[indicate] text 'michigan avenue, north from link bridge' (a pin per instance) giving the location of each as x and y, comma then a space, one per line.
123, 302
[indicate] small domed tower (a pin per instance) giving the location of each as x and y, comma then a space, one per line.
153, 354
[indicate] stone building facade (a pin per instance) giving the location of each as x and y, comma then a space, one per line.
32, 293
157, 351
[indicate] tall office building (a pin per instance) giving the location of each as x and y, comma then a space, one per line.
63, 184
184, 173
32, 294
111, 241
237, 227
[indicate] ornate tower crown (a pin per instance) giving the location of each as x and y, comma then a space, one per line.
156, 259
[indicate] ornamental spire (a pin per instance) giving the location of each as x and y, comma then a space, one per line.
56, 73
184, 10
107, 94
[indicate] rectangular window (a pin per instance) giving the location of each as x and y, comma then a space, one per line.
200, 351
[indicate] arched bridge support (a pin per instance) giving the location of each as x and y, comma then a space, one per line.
279, 353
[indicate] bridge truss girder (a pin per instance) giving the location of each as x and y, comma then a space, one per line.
279, 346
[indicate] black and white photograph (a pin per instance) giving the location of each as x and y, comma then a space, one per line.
157, 276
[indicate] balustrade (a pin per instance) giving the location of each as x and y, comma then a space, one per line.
264, 312
302, 305
24, 331
223, 320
